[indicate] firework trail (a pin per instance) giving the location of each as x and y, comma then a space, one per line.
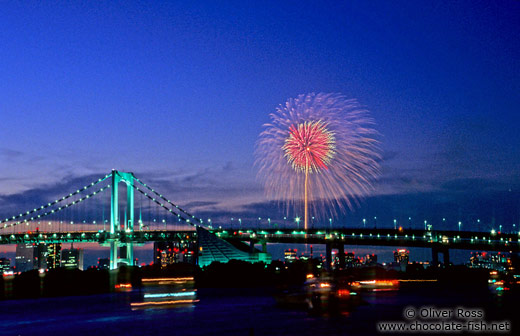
319, 149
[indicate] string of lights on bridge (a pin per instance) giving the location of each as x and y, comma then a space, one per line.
191, 220
186, 220
59, 208
45, 206
169, 202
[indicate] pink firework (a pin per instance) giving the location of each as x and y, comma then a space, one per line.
321, 150
309, 145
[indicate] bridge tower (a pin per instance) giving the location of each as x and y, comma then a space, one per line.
115, 221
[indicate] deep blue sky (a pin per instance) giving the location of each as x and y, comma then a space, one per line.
177, 92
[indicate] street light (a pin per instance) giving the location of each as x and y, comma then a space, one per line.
460, 223
240, 222
375, 222
395, 224
297, 220
364, 222
330, 222
425, 222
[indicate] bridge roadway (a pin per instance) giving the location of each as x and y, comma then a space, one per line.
100, 237
438, 241
465, 240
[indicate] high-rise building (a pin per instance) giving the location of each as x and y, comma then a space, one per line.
401, 255
72, 258
501, 262
167, 253
53, 255
401, 259
41, 257
24, 260
31, 256
351, 260
371, 260
290, 255
164, 253
5, 265
103, 263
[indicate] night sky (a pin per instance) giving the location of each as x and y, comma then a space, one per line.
177, 92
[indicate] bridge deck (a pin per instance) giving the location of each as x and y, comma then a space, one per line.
465, 240
100, 237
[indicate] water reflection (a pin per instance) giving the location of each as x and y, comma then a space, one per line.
165, 293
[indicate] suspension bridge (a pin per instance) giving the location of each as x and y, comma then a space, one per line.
148, 216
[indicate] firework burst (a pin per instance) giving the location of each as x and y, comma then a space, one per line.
319, 149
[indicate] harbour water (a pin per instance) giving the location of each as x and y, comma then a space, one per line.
230, 312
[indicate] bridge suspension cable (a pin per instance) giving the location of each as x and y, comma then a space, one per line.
186, 220
192, 217
54, 202
51, 204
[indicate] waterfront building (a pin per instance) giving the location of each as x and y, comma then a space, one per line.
290, 255
5, 265
370, 260
103, 263
494, 261
30, 256
53, 255
401, 259
72, 258
351, 260
167, 253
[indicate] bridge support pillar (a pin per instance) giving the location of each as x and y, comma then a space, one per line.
115, 224
252, 246
328, 256
435, 257
341, 256
130, 253
264, 246
113, 254
446, 257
